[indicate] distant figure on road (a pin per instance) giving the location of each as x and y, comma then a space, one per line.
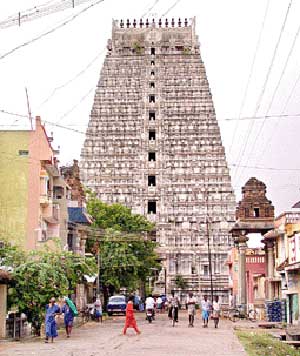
52, 309
68, 318
130, 319
205, 305
173, 302
216, 311
98, 310
191, 307
159, 304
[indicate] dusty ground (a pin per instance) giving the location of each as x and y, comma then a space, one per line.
158, 338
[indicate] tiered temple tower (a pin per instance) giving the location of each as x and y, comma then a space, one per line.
153, 143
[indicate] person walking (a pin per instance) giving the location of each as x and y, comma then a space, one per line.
216, 311
150, 305
52, 309
98, 310
205, 306
130, 319
173, 303
191, 307
159, 304
68, 318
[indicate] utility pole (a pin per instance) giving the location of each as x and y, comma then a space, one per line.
28, 108
98, 268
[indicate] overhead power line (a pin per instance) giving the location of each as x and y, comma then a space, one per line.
150, 9
250, 74
72, 79
258, 104
276, 89
11, 113
49, 31
76, 105
267, 117
170, 8
39, 11
266, 168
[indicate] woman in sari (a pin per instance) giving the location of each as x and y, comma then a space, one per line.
52, 309
130, 319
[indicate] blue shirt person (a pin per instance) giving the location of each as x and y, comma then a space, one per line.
52, 309
68, 318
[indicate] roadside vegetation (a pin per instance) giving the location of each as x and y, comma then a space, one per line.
263, 344
39, 275
127, 256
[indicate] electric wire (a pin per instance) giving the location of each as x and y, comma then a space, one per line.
150, 8
258, 104
171, 8
90, 135
250, 74
276, 89
39, 11
72, 79
49, 31
76, 105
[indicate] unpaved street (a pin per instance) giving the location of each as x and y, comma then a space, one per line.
158, 338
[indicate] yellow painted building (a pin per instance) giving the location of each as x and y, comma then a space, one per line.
28, 214
14, 182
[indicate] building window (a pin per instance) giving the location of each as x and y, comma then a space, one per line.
152, 72
152, 85
152, 135
151, 156
151, 181
151, 207
151, 98
152, 63
153, 235
23, 152
152, 50
205, 270
151, 115
256, 212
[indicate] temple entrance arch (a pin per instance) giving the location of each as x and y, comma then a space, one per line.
254, 215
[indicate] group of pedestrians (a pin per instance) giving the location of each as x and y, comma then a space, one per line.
52, 310
173, 303
208, 310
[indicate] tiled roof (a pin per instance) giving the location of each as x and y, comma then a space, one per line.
78, 215
296, 205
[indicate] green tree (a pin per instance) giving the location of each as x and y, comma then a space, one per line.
127, 257
180, 282
39, 275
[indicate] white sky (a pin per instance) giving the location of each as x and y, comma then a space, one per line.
228, 32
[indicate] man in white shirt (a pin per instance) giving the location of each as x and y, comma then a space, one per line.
205, 306
173, 303
159, 304
191, 307
150, 304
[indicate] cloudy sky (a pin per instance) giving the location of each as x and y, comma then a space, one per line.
250, 48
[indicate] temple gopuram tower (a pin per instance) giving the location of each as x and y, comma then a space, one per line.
153, 144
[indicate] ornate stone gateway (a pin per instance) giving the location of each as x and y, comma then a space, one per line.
254, 214
153, 143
